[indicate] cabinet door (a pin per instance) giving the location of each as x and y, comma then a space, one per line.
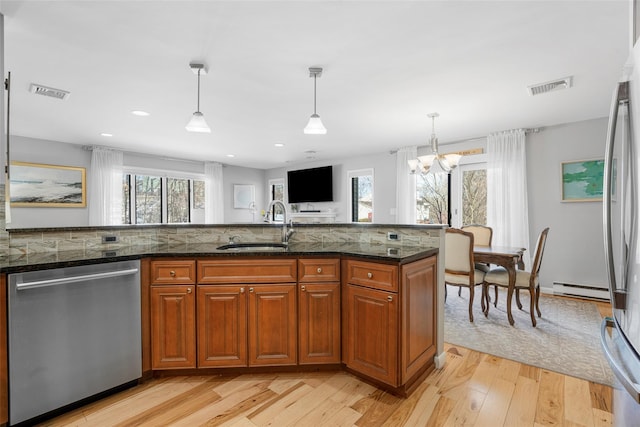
372, 333
173, 327
418, 330
272, 325
319, 323
222, 326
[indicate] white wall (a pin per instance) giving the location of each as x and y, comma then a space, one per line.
575, 248
384, 184
53, 153
238, 175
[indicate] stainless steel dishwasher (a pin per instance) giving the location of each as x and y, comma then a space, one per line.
73, 333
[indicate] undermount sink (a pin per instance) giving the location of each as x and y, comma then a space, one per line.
256, 246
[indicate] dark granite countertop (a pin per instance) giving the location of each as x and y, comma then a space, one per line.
41, 261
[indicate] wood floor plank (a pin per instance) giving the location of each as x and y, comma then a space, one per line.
522, 409
443, 408
270, 410
226, 404
456, 383
376, 408
485, 374
406, 407
601, 397
496, 404
345, 417
550, 406
577, 397
602, 418
424, 407
352, 391
175, 408
509, 370
465, 412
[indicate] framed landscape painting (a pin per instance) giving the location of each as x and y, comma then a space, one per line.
582, 180
35, 185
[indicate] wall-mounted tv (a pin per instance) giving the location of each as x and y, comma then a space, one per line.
310, 185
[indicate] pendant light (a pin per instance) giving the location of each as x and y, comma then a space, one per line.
315, 126
434, 162
197, 122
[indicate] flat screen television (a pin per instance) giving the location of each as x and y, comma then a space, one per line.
310, 185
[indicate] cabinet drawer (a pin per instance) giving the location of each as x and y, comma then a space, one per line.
318, 270
255, 270
372, 275
178, 272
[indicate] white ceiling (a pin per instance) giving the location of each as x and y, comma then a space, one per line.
387, 64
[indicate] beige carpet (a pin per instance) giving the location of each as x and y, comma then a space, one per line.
566, 338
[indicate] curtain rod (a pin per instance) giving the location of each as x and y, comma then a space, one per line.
526, 131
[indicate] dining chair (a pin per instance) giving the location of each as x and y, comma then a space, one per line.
528, 280
482, 235
459, 267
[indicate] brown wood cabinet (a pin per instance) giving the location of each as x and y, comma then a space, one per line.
371, 342
390, 320
319, 311
272, 325
222, 326
264, 332
173, 327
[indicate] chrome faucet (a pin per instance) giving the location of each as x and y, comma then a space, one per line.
286, 234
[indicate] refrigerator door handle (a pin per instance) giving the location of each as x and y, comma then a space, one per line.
620, 95
632, 388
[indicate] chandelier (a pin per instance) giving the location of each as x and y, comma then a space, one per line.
434, 162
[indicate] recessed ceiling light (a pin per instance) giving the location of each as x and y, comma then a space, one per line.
106, 134
278, 144
230, 155
140, 113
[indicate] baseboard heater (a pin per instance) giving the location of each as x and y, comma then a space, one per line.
582, 291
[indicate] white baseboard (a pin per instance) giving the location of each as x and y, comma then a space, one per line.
440, 359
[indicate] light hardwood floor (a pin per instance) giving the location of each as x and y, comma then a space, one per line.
473, 389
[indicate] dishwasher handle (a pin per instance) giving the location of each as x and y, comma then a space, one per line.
74, 279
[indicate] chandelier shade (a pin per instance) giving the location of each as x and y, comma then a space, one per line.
434, 162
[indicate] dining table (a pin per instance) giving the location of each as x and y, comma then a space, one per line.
508, 257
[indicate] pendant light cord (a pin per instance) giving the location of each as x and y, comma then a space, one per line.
198, 109
315, 75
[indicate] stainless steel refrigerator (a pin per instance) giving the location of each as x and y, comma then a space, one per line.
620, 333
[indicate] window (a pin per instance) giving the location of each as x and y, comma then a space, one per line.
432, 203
148, 199
276, 192
360, 195
154, 199
469, 191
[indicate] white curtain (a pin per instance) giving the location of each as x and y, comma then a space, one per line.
405, 186
214, 194
507, 207
105, 187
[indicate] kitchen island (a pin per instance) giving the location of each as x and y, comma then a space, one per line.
371, 309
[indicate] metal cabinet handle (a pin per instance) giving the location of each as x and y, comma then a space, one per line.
172, 273
242, 290
319, 270
303, 288
390, 298
369, 275
188, 290
250, 289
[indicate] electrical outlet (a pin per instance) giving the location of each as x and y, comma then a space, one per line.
109, 239
392, 236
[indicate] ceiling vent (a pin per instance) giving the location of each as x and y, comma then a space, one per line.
551, 86
49, 91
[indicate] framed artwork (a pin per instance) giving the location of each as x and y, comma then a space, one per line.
34, 185
582, 180
243, 196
